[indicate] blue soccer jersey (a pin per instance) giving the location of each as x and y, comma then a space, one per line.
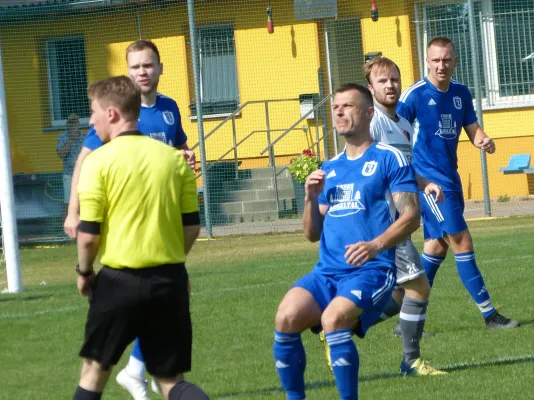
358, 194
162, 121
438, 118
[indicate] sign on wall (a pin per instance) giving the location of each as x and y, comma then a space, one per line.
310, 9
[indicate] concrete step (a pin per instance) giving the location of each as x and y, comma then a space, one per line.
252, 195
236, 207
263, 173
251, 217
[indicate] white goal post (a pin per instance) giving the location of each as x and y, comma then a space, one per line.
8, 221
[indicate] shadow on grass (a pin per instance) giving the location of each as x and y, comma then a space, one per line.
488, 363
331, 383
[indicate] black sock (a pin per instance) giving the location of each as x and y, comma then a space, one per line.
193, 392
82, 394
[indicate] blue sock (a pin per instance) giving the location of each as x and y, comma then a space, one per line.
345, 362
473, 282
431, 265
290, 360
136, 351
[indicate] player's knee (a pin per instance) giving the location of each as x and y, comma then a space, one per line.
93, 377
418, 288
436, 247
287, 319
461, 242
335, 319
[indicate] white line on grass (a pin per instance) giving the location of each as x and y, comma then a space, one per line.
495, 260
237, 288
42, 312
63, 310
498, 361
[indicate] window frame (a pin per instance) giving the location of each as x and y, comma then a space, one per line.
58, 123
488, 50
212, 109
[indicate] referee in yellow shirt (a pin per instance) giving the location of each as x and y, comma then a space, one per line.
138, 205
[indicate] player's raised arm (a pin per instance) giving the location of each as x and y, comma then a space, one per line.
314, 212
407, 205
189, 155
189, 206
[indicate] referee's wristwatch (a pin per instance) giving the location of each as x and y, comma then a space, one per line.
85, 274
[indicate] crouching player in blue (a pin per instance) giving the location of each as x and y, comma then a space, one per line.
348, 208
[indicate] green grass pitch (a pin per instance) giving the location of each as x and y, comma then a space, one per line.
237, 283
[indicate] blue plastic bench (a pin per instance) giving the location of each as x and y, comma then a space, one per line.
517, 164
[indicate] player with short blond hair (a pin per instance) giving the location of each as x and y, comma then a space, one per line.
439, 108
140, 291
159, 119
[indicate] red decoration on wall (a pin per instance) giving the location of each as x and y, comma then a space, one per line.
270, 23
374, 11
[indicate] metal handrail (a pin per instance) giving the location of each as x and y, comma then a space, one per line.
241, 141
236, 112
316, 107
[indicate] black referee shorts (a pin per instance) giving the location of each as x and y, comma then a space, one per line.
151, 304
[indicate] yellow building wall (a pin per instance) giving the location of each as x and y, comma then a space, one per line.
499, 183
270, 67
26, 84
278, 66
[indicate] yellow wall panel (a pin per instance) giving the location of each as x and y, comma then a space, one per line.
500, 184
277, 66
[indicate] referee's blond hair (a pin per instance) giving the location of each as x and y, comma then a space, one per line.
120, 92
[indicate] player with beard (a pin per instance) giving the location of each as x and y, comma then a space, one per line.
410, 297
350, 207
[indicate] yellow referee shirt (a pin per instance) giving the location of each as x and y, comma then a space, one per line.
137, 188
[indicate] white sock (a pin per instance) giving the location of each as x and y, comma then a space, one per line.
136, 368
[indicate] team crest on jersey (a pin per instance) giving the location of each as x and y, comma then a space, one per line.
447, 127
369, 168
168, 117
457, 102
344, 201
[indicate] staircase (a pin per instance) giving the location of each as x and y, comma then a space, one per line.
251, 197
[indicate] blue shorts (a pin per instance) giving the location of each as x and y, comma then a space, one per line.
369, 288
443, 217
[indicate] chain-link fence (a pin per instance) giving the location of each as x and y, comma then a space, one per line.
264, 91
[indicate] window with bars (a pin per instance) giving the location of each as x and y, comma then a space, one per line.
218, 70
67, 78
504, 33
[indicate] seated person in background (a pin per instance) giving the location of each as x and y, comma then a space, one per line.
69, 144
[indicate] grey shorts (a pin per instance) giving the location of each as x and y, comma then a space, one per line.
408, 262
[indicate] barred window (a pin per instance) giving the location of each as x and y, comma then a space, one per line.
218, 70
67, 78
503, 32
345, 48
